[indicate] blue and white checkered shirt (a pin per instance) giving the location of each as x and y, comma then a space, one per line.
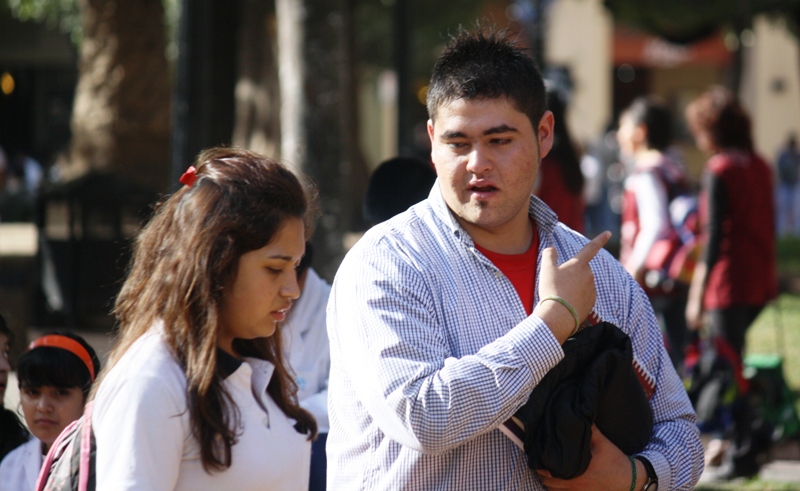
431, 351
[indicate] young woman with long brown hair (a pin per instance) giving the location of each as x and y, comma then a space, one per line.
197, 394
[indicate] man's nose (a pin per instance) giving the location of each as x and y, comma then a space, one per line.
479, 161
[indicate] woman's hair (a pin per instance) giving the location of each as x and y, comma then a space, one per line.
58, 366
563, 150
717, 113
183, 261
651, 112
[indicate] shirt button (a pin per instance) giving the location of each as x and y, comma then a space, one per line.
498, 274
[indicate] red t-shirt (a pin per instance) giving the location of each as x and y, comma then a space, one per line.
520, 269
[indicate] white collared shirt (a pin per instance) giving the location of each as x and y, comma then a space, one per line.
308, 352
144, 440
20, 468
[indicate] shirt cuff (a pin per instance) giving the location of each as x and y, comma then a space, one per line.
661, 466
536, 345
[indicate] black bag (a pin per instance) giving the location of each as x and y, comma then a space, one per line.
595, 383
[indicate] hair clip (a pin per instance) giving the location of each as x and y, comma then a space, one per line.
189, 177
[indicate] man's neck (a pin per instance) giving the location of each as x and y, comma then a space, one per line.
513, 237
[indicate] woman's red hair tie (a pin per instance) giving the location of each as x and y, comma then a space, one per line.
189, 177
65, 343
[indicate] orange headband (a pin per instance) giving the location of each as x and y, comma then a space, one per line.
69, 344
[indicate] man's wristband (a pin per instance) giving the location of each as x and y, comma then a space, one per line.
568, 306
633, 471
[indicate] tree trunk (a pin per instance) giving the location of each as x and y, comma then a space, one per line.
257, 121
318, 114
121, 115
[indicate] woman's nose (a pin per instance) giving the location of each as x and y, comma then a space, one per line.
290, 288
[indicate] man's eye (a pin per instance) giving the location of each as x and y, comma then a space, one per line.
501, 141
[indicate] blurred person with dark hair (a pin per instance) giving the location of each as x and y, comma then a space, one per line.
395, 185
560, 183
654, 178
737, 275
12, 431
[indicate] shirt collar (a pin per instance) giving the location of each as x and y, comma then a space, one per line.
227, 364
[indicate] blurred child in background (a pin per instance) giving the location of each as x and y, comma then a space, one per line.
55, 375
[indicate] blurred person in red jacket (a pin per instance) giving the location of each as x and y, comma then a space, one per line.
736, 276
560, 183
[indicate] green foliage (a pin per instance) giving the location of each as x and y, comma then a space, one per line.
63, 14
747, 485
789, 256
684, 21
429, 24
66, 16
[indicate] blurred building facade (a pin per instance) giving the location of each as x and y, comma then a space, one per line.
610, 64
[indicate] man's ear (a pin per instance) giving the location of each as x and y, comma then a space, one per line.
544, 133
430, 130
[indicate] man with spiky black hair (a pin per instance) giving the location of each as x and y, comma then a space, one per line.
443, 319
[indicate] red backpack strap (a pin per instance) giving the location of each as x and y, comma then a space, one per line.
55, 452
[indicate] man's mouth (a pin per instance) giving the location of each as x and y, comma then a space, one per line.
482, 191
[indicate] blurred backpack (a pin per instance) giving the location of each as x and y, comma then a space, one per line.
714, 381
725, 401
773, 399
672, 258
70, 463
